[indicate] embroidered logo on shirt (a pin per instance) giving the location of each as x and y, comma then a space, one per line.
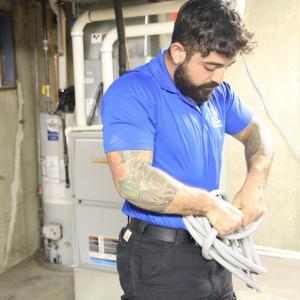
215, 119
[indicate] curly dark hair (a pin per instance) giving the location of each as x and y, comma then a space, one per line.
211, 25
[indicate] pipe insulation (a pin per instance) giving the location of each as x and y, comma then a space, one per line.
235, 252
102, 15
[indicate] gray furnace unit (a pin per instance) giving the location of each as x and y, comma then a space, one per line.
97, 206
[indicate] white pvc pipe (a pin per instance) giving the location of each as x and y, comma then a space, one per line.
128, 12
102, 15
106, 49
79, 80
240, 6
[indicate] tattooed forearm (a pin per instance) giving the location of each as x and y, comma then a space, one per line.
258, 147
137, 180
150, 188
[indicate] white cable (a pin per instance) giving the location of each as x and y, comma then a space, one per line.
293, 148
235, 252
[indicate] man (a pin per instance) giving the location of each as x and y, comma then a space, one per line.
164, 125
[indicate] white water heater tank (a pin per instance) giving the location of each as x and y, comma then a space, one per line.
57, 201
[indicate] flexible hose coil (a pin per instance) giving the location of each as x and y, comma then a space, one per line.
235, 252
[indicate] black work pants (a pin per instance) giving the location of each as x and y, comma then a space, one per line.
158, 270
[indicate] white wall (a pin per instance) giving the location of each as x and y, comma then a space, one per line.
275, 65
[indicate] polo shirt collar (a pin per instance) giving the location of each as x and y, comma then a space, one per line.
160, 73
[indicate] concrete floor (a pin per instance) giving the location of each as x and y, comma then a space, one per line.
282, 282
31, 281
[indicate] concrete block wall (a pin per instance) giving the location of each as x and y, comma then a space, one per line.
19, 228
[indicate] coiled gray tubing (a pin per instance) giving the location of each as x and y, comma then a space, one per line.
235, 252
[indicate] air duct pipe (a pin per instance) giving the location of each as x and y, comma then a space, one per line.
102, 15
131, 31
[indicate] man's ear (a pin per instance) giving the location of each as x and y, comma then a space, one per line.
178, 53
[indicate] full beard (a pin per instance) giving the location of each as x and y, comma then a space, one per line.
198, 93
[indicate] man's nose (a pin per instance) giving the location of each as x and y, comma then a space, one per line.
218, 75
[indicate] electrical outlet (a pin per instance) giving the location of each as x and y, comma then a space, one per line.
96, 38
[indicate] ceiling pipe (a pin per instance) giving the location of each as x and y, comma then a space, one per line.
102, 15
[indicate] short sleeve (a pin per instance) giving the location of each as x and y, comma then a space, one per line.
238, 114
128, 114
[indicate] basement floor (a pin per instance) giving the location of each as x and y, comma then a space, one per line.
32, 281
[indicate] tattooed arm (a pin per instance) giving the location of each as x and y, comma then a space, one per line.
152, 189
259, 154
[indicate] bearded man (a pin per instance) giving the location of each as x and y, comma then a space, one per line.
164, 125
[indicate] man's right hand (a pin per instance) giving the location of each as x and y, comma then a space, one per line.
224, 217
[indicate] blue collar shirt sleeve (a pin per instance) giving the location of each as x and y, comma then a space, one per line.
129, 114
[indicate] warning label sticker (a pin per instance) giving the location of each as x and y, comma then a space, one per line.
102, 247
53, 129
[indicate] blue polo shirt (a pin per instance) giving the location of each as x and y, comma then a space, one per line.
144, 110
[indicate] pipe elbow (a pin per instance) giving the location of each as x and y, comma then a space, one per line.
80, 23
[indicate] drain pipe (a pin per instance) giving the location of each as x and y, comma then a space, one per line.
46, 87
106, 49
103, 15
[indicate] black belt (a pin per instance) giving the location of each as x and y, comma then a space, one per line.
171, 235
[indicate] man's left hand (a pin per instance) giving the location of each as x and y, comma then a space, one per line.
251, 203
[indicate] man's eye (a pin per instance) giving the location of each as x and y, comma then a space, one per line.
209, 68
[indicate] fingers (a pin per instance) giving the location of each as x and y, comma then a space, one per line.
225, 218
252, 215
230, 226
251, 203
